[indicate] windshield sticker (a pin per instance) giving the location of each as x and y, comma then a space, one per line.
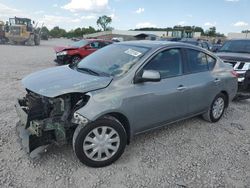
132, 52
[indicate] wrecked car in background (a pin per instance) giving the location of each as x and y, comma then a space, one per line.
105, 100
78, 50
237, 53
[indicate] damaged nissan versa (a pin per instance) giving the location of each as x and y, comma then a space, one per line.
118, 92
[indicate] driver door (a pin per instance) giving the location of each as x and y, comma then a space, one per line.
164, 101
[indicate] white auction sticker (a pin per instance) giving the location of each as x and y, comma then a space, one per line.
132, 52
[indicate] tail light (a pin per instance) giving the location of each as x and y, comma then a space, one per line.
234, 73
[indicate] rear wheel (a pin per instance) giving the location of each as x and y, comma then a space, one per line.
100, 143
216, 109
37, 40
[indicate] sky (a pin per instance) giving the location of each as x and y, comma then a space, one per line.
226, 15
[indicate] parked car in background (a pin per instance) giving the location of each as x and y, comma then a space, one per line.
78, 50
237, 53
197, 42
216, 47
120, 91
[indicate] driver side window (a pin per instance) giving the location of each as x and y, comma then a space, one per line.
168, 63
95, 45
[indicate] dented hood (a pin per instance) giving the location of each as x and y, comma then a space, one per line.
63, 48
57, 81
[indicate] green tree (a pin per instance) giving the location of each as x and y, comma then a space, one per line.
103, 22
211, 32
57, 32
45, 30
78, 32
246, 31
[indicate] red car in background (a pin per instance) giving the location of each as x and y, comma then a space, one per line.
78, 50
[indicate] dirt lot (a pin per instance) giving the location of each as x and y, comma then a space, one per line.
191, 153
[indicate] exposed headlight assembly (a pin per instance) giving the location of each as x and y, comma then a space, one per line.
79, 119
61, 53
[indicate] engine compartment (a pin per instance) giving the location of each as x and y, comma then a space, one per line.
48, 120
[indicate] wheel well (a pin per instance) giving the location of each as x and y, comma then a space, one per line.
227, 97
124, 121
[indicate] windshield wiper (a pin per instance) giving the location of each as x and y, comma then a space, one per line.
88, 71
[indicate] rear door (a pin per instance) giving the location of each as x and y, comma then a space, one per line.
202, 85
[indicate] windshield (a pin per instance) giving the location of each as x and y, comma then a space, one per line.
113, 60
237, 46
79, 44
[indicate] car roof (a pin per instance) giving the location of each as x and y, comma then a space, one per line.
155, 44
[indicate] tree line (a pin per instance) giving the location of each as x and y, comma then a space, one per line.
211, 32
57, 32
104, 21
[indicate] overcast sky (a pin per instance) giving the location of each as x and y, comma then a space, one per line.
226, 15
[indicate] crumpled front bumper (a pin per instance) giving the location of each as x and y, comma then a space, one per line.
32, 144
63, 59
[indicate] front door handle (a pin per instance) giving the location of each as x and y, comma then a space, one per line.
216, 80
181, 88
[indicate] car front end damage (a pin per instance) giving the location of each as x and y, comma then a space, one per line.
45, 121
63, 58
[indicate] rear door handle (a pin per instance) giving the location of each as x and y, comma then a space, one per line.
181, 88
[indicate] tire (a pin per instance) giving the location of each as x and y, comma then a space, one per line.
210, 115
75, 59
37, 40
87, 145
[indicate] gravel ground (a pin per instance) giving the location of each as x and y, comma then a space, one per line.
191, 153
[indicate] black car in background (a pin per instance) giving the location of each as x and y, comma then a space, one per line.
237, 53
197, 42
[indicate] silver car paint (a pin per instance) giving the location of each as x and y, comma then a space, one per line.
57, 81
146, 105
150, 105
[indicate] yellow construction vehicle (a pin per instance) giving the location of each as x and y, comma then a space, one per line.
22, 31
2, 33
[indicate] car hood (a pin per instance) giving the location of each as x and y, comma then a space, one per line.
61, 80
234, 56
63, 48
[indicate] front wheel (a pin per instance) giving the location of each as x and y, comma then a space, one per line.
216, 109
100, 143
75, 59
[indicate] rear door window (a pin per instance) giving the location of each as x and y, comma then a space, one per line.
197, 61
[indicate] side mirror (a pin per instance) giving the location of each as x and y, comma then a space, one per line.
148, 76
